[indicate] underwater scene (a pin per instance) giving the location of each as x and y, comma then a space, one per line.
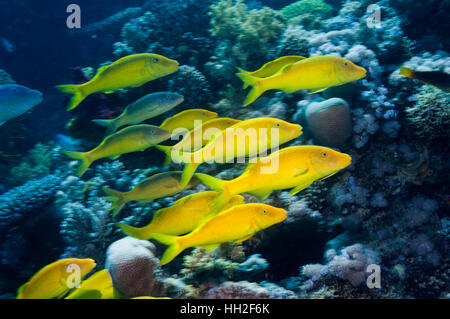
224, 149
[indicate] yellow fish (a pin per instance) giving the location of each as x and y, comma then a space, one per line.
147, 107
55, 280
235, 224
180, 218
316, 73
130, 71
246, 138
130, 139
272, 67
197, 137
294, 167
156, 186
97, 286
185, 121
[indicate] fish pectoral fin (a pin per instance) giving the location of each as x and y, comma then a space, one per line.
262, 194
114, 157
300, 171
108, 92
243, 238
299, 188
318, 91
210, 247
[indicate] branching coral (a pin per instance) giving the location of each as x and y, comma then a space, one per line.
430, 116
251, 34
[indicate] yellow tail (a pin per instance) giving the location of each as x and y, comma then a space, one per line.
109, 124
85, 162
221, 187
245, 85
173, 250
76, 90
168, 151
188, 172
409, 73
117, 198
256, 90
140, 233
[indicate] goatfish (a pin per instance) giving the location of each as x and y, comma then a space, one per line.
438, 79
130, 139
197, 137
156, 186
15, 100
272, 67
294, 167
130, 71
316, 73
145, 108
97, 286
235, 224
56, 279
246, 138
180, 218
186, 120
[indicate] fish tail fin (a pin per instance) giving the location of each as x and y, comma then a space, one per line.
117, 198
168, 151
409, 73
136, 232
109, 124
173, 250
218, 185
76, 90
245, 85
85, 161
256, 90
188, 172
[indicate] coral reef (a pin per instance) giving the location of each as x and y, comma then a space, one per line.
192, 84
134, 268
247, 290
430, 116
351, 264
249, 35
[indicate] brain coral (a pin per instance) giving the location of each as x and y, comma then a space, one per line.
133, 268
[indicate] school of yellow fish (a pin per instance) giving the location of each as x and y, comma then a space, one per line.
205, 219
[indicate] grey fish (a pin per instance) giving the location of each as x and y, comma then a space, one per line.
16, 100
143, 109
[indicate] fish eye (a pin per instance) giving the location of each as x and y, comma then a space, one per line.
323, 154
264, 211
345, 63
277, 124
151, 131
155, 60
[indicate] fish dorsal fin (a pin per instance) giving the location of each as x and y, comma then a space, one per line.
210, 247
262, 194
103, 68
